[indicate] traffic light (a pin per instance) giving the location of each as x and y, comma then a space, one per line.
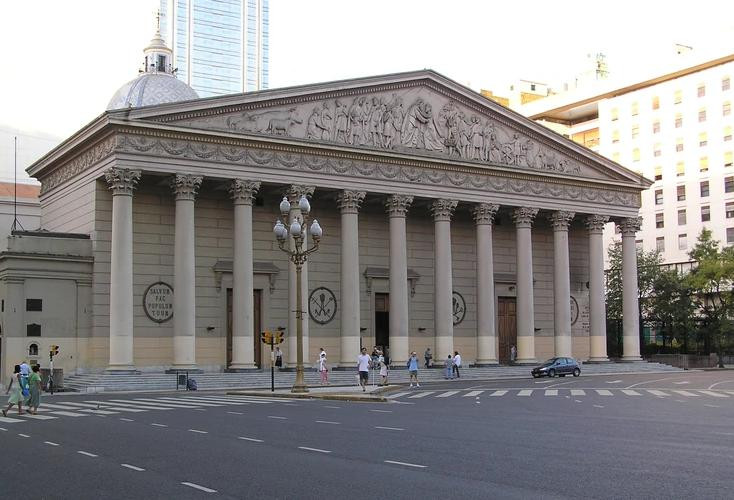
266, 337
54, 350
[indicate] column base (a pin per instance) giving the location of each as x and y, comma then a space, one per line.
631, 359
525, 362
178, 369
122, 370
486, 362
242, 369
592, 361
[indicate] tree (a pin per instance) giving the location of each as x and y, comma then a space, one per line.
711, 283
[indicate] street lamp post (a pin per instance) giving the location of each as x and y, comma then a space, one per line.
295, 227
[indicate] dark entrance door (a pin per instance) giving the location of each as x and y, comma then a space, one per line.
507, 326
258, 343
382, 321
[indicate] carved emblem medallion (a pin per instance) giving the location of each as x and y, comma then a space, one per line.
458, 307
322, 305
574, 311
158, 302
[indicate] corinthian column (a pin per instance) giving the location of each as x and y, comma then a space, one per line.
397, 207
294, 193
630, 305
442, 280
243, 314
561, 283
121, 181
597, 308
349, 202
184, 273
484, 214
523, 218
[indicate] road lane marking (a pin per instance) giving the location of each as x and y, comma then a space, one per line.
397, 395
51, 443
69, 414
198, 431
578, 400
604, 392
188, 401
649, 382
544, 381
472, 394
405, 464
656, 392
334, 407
100, 406
24, 435
680, 401
99, 412
682, 382
421, 394
630, 392
250, 439
382, 411
277, 417
715, 394
40, 417
613, 381
87, 454
720, 382
128, 466
235, 413
59, 407
145, 406
158, 425
687, 394
127, 419
551, 392
598, 406
498, 393
525, 392
3, 429
712, 406
199, 487
578, 392
306, 448
447, 394
389, 428
327, 422
724, 433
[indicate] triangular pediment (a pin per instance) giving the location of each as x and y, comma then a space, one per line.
417, 114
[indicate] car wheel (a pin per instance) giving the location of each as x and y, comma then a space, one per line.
535, 375
551, 373
576, 372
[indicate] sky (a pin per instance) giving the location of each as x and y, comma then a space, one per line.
62, 60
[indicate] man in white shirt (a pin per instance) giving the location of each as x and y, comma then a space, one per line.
457, 363
363, 367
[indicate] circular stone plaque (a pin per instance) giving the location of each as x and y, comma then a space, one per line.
458, 307
158, 302
322, 305
574, 311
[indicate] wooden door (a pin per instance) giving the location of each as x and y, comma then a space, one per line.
382, 322
507, 327
257, 296
229, 327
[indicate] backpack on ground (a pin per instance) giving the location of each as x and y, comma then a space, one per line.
191, 385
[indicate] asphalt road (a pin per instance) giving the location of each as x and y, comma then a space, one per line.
458, 440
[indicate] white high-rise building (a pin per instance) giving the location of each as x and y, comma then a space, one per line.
219, 46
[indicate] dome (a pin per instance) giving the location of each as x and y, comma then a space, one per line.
149, 89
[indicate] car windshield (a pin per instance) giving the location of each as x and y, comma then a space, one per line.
550, 362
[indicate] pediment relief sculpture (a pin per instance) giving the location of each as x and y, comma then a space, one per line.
410, 121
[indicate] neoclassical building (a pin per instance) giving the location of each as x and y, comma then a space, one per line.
449, 222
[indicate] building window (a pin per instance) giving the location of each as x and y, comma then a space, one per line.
635, 131
725, 83
705, 213
727, 134
658, 173
682, 219
679, 145
682, 241
33, 304
729, 184
678, 97
615, 114
730, 210
728, 159
726, 109
615, 137
680, 169
636, 154
701, 115
729, 235
656, 127
33, 350
678, 120
703, 139
656, 150
635, 109
703, 164
656, 102
701, 90
704, 189
33, 330
658, 196
660, 244
681, 193
659, 220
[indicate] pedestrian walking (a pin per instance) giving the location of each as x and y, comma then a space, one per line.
513, 353
449, 365
383, 370
428, 357
413, 369
363, 367
278, 358
35, 389
457, 363
14, 389
323, 368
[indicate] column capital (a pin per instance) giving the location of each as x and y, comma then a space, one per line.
185, 186
122, 180
295, 191
630, 225
442, 209
484, 213
523, 216
397, 205
349, 201
595, 223
243, 191
561, 219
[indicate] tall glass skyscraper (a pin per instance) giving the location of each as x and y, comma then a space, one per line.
219, 46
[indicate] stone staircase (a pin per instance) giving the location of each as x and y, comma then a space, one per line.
259, 379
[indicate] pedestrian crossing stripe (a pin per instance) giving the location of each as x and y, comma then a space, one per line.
525, 392
447, 394
691, 393
657, 393
604, 392
630, 392
498, 393
472, 394
578, 392
551, 392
